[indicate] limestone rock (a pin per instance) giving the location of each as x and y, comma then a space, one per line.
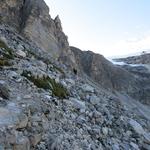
31, 18
78, 104
35, 139
87, 88
137, 127
147, 137
21, 53
23, 121
94, 100
4, 90
22, 144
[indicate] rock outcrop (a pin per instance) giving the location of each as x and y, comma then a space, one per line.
104, 72
45, 105
31, 19
140, 67
36, 116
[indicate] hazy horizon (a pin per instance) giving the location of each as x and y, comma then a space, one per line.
109, 27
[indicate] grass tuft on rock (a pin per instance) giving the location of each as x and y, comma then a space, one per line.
8, 51
47, 83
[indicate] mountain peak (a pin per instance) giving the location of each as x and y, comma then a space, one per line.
31, 19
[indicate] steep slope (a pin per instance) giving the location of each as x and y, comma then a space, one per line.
44, 107
139, 66
31, 18
105, 73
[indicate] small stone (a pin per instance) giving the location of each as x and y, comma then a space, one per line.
21, 53
71, 81
94, 100
147, 138
22, 143
35, 139
87, 88
20, 47
105, 131
13, 75
23, 121
78, 104
27, 97
11, 138
4, 90
135, 146
115, 147
136, 127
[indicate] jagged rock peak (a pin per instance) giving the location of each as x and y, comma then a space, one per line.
31, 18
58, 22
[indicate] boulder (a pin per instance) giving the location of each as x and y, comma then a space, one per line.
35, 139
4, 90
23, 121
94, 100
87, 88
136, 127
22, 143
78, 104
21, 53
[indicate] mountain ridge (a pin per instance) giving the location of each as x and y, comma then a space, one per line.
56, 97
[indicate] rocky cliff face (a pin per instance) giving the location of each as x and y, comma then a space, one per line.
140, 67
104, 72
31, 18
45, 105
133, 81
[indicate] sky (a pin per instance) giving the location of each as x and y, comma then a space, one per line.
107, 27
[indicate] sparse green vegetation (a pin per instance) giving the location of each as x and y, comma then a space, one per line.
8, 52
47, 83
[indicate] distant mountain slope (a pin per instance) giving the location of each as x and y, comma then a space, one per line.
144, 58
103, 71
110, 76
139, 65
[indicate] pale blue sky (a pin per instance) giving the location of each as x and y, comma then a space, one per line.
108, 27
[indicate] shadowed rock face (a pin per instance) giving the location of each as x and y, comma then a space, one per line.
140, 66
31, 18
111, 76
104, 72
